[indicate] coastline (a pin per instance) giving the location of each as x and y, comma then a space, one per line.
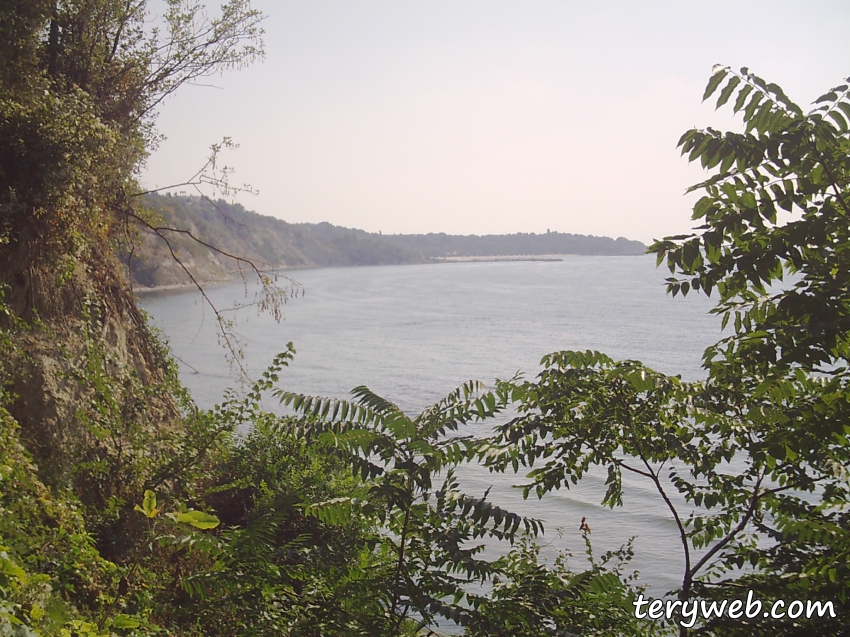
503, 258
141, 289
436, 260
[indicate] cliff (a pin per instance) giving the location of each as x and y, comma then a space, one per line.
83, 366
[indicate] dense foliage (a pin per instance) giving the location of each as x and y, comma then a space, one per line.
330, 523
79, 86
264, 240
783, 374
430, 536
439, 245
436, 245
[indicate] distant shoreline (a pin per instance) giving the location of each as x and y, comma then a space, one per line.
509, 258
497, 258
236, 231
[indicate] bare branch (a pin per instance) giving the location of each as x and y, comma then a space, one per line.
226, 335
272, 296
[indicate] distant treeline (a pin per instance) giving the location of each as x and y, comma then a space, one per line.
272, 242
445, 245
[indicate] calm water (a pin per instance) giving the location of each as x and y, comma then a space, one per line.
413, 333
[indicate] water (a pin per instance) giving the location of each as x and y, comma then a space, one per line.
413, 333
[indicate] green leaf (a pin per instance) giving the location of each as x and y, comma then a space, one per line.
7, 567
198, 519
727, 162
702, 206
845, 108
827, 97
686, 138
759, 122
122, 620
751, 107
838, 118
148, 505
336, 511
742, 97
715, 81
727, 91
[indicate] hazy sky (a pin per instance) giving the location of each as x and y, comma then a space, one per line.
490, 116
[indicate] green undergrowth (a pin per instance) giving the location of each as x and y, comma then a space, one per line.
52, 577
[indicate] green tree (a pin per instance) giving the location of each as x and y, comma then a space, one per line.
778, 205
423, 529
78, 90
270, 569
94, 395
427, 564
759, 450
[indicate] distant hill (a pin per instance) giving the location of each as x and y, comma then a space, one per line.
269, 242
276, 244
446, 245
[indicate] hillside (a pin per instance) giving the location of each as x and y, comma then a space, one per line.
274, 243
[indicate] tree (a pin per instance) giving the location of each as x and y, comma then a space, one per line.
759, 448
79, 88
785, 368
424, 530
79, 85
427, 562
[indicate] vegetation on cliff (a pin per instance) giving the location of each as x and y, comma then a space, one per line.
267, 241
524, 243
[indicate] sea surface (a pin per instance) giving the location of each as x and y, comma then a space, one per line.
412, 333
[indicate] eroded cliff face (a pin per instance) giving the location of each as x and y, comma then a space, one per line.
87, 373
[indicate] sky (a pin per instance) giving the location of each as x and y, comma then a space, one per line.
489, 117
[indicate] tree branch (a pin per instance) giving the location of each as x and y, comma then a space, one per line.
734, 531
225, 334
